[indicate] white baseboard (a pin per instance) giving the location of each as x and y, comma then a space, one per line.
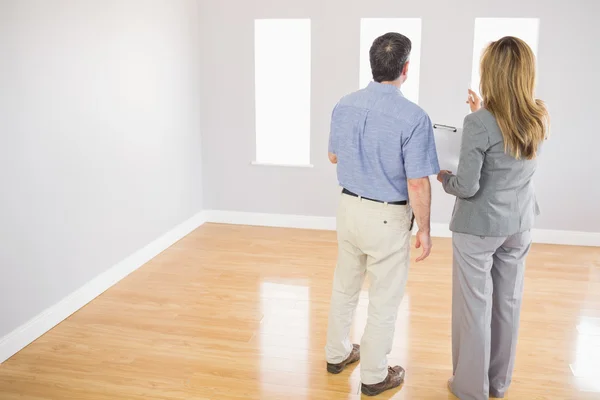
569, 238
572, 238
273, 220
46, 320
541, 236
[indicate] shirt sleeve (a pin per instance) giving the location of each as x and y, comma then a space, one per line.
419, 152
333, 140
475, 143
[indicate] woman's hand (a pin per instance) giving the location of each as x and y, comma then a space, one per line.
440, 176
473, 101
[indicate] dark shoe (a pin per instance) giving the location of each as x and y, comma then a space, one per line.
352, 358
394, 379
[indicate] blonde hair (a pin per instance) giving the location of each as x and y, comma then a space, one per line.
507, 88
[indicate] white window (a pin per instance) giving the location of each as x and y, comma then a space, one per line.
282, 77
488, 30
371, 29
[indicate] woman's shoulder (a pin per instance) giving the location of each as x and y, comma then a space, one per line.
482, 117
474, 122
484, 120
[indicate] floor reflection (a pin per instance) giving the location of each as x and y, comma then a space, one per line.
284, 339
586, 367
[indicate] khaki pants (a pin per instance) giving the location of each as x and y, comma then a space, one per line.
373, 239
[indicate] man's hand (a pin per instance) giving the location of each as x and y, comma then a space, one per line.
440, 176
419, 192
424, 241
332, 158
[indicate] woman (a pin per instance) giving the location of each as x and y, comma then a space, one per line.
494, 213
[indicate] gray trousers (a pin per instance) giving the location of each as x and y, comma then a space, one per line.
487, 288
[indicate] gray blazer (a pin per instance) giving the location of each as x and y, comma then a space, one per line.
495, 194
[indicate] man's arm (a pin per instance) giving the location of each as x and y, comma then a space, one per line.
420, 161
332, 147
419, 193
332, 158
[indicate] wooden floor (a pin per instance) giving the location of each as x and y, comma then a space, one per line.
240, 313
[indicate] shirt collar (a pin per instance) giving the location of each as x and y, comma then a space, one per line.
383, 88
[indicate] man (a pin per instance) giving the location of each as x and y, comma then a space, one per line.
384, 149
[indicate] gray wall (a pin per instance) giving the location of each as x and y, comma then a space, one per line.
99, 139
569, 58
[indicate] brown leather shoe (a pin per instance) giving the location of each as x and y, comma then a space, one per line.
394, 379
352, 358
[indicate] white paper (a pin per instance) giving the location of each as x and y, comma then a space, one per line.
448, 148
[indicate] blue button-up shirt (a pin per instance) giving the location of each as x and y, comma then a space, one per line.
381, 139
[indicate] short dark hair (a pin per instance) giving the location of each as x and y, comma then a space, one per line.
388, 55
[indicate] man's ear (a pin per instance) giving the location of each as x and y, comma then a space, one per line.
405, 69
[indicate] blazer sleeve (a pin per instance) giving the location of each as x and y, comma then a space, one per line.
475, 143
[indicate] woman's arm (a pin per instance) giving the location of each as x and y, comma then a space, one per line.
475, 142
